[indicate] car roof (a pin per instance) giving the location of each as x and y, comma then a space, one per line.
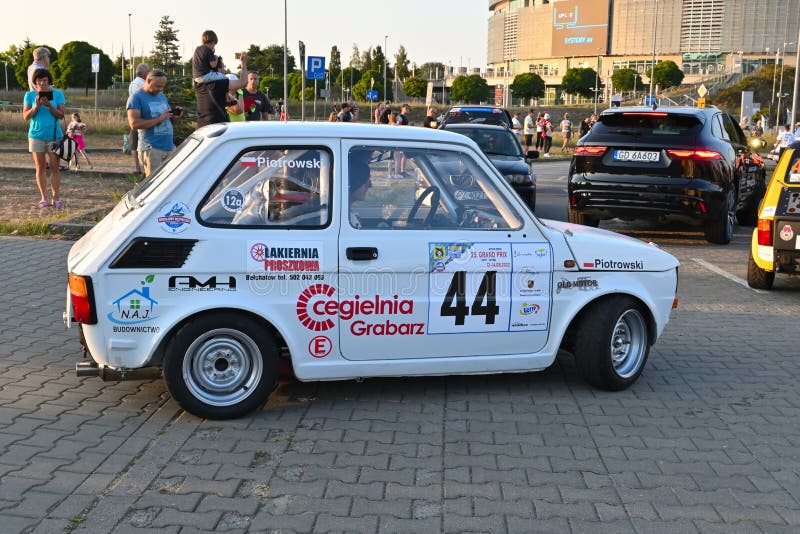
334, 130
682, 110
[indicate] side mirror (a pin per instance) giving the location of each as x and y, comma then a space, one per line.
532, 154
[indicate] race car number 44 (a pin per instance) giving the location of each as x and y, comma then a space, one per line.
635, 155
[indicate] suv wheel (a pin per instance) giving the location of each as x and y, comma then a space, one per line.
576, 217
758, 278
720, 231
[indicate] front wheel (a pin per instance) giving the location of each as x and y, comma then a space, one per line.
612, 343
720, 231
221, 366
758, 278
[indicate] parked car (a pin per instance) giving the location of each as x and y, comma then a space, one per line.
257, 240
477, 114
503, 149
775, 245
689, 164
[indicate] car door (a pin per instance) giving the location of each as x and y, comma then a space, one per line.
423, 274
748, 173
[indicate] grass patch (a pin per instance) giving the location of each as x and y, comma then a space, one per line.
27, 228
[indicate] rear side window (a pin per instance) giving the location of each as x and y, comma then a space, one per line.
651, 125
272, 188
477, 116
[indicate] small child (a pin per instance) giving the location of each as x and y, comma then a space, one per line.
204, 62
76, 130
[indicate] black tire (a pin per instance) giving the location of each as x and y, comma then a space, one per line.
720, 230
758, 278
612, 343
240, 371
576, 217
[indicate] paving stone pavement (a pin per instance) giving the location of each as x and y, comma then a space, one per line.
707, 440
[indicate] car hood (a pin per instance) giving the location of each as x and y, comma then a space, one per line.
601, 250
509, 164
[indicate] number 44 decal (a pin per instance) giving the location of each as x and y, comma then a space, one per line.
455, 303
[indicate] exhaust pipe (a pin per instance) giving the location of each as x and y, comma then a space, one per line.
108, 374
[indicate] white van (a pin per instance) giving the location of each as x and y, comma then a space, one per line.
261, 241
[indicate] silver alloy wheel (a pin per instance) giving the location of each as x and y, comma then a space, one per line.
629, 343
731, 221
222, 367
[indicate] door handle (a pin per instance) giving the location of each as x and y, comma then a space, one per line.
362, 253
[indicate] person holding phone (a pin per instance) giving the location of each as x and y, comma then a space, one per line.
44, 109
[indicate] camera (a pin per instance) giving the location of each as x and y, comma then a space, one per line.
176, 110
237, 55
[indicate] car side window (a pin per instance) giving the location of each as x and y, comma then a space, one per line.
272, 188
731, 130
717, 129
418, 188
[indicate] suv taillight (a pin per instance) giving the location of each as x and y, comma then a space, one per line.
698, 155
590, 150
82, 296
765, 232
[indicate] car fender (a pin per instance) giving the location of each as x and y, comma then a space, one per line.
763, 255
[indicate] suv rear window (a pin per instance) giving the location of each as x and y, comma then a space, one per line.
648, 124
477, 115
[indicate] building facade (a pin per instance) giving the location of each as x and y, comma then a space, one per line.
705, 38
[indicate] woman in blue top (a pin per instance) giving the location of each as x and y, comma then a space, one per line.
44, 108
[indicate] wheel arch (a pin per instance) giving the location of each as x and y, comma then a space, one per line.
568, 339
157, 358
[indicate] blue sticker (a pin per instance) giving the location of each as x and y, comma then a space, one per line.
173, 217
232, 200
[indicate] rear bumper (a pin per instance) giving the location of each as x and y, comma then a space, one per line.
688, 200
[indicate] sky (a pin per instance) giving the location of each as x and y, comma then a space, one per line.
451, 31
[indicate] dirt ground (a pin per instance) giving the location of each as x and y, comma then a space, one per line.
83, 190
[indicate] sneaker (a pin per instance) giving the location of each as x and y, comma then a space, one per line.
547, 155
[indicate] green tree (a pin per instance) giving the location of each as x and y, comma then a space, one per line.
666, 74
415, 87
378, 59
527, 85
401, 62
370, 79
296, 86
348, 74
272, 87
431, 70
366, 60
25, 58
472, 89
165, 54
9, 59
626, 80
74, 66
355, 58
579, 81
335, 65
268, 61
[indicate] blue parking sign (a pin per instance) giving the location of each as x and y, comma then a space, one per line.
316, 68
372, 95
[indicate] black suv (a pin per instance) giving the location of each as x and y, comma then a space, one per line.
689, 164
477, 114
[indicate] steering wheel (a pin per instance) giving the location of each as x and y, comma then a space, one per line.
434, 193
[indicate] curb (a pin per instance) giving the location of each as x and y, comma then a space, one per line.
66, 227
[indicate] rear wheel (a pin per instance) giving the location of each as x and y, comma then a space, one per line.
720, 231
576, 217
759, 278
221, 366
612, 343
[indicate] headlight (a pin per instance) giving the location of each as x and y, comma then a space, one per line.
519, 178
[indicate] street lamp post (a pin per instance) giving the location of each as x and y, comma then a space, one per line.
653, 68
130, 45
780, 87
6, 72
385, 92
774, 73
793, 118
596, 85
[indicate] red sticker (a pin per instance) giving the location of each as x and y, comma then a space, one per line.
320, 346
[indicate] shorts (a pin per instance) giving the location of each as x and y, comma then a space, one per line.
153, 158
208, 77
528, 139
79, 140
133, 140
567, 134
37, 145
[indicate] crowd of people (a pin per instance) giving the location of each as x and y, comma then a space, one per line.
536, 130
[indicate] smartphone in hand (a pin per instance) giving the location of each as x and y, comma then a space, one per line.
47, 94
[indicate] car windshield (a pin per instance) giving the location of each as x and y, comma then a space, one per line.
493, 142
137, 195
647, 124
477, 115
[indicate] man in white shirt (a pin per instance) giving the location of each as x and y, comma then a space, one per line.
529, 128
516, 125
142, 70
41, 60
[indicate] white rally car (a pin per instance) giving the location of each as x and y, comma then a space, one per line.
358, 251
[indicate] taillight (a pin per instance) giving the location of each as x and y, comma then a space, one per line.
82, 296
765, 232
659, 114
590, 150
698, 155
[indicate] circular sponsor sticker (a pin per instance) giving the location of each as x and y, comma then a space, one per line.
786, 233
258, 252
232, 200
438, 266
320, 346
173, 217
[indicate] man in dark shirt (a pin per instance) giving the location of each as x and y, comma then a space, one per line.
212, 97
256, 104
430, 119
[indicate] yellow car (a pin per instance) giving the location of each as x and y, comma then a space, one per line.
775, 246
